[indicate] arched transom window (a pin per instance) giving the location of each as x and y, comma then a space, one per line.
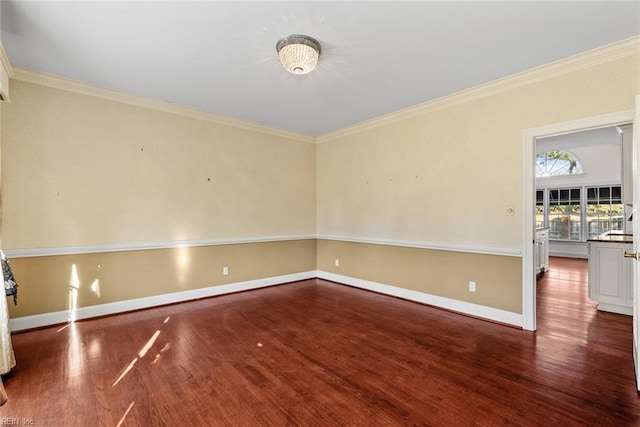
556, 163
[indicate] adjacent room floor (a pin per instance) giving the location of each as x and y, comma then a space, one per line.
316, 353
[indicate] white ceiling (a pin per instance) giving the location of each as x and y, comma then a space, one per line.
377, 57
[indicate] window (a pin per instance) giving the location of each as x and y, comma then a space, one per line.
540, 208
564, 218
579, 213
605, 211
555, 163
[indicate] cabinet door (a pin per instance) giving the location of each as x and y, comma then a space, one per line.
541, 251
612, 274
627, 277
609, 274
544, 250
537, 253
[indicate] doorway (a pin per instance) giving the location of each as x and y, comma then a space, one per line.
530, 136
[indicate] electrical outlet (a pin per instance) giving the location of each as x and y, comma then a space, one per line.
337, 262
472, 286
225, 270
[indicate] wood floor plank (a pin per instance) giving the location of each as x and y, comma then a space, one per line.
316, 353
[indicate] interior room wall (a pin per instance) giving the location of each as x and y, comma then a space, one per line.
84, 176
446, 179
70, 283
81, 170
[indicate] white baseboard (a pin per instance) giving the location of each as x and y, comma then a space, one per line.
58, 317
568, 255
476, 310
615, 308
569, 249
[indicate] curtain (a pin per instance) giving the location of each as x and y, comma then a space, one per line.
7, 358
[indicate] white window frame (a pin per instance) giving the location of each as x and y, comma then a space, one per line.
584, 232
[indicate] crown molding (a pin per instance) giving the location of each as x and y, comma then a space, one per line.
81, 88
4, 60
558, 68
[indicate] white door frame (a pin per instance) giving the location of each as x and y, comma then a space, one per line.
635, 164
528, 204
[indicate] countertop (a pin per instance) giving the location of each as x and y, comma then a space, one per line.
613, 237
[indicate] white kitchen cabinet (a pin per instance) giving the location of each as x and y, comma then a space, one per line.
610, 276
542, 250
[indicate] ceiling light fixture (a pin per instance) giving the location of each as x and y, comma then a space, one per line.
299, 54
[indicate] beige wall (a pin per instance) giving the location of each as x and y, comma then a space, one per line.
445, 178
435, 272
45, 282
80, 170
83, 171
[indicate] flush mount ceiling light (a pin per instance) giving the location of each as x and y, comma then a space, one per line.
299, 54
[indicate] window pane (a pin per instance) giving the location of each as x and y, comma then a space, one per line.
539, 208
555, 163
564, 195
606, 212
564, 224
575, 195
616, 194
564, 217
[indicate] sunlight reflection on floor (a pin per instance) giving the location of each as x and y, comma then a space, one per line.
156, 359
125, 371
125, 414
149, 344
75, 355
143, 352
74, 285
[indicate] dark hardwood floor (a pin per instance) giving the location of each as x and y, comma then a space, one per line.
315, 353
